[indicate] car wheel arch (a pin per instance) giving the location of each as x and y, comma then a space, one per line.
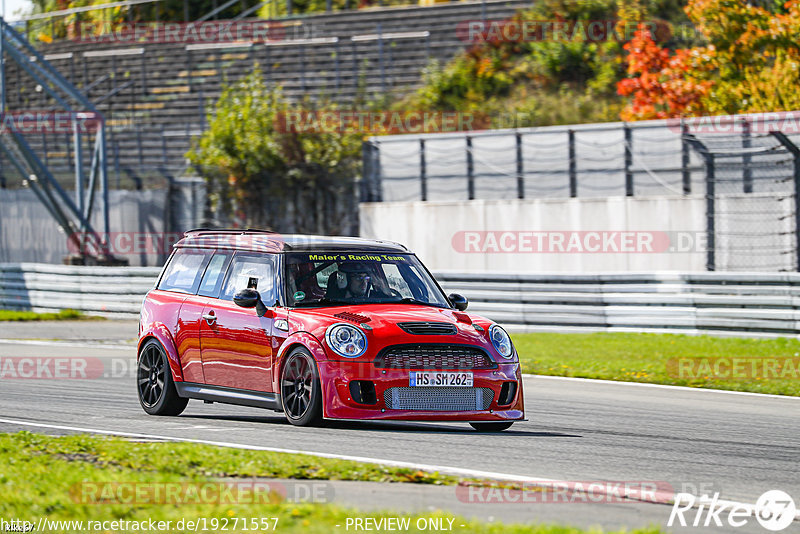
162, 336
298, 339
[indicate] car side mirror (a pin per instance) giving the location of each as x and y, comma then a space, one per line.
250, 298
459, 302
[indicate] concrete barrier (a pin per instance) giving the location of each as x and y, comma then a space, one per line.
740, 304
105, 291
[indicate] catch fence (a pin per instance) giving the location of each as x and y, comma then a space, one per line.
747, 167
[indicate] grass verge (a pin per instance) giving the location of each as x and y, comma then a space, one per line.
199, 460
654, 358
44, 476
72, 315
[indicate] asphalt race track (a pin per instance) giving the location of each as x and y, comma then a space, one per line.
699, 442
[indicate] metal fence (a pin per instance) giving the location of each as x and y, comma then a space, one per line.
614, 159
748, 304
745, 166
752, 214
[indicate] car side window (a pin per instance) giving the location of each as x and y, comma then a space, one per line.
246, 268
396, 280
182, 275
215, 272
324, 274
413, 277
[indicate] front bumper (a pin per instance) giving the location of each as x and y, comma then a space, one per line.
337, 401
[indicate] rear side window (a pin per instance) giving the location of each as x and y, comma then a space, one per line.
215, 272
252, 270
184, 270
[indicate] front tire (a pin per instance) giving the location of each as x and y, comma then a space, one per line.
154, 384
491, 427
301, 393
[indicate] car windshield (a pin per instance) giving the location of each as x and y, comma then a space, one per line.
335, 278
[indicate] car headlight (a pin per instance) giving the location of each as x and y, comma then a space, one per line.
501, 341
346, 340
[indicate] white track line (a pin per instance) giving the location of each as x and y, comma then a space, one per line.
662, 498
457, 471
661, 386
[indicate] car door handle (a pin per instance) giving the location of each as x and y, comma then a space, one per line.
210, 318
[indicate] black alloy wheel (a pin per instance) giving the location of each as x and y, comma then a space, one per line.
157, 393
301, 394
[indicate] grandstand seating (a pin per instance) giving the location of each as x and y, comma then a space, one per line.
155, 95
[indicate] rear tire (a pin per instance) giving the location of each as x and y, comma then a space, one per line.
301, 392
154, 384
491, 427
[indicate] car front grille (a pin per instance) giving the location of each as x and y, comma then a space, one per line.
433, 356
438, 399
436, 329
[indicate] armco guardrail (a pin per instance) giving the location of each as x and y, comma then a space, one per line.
754, 304
751, 304
106, 291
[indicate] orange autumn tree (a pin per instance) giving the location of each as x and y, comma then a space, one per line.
750, 63
661, 84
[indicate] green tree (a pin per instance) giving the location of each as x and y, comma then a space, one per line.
752, 56
267, 166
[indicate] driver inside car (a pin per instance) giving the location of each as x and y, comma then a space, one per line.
353, 282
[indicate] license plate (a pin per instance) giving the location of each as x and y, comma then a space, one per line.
427, 378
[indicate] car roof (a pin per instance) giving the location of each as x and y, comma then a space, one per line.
267, 241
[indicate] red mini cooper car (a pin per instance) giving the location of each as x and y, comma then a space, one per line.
319, 328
